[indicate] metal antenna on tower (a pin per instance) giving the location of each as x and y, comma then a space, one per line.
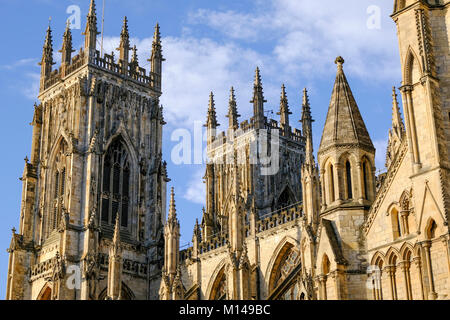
103, 23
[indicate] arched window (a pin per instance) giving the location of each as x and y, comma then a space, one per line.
377, 280
332, 193
115, 194
431, 230
325, 272
348, 170
365, 180
59, 187
219, 290
396, 229
393, 275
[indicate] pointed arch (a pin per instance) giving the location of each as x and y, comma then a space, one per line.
118, 185
406, 251
392, 256
45, 293
285, 258
57, 174
126, 293
430, 229
285, 199
217, 286
413, 68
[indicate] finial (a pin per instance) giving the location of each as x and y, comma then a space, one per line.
211, 100
339, 61
157, 35
172, 208
134, 58
232, 95
283, 92
257, 77
305, 97
13, 230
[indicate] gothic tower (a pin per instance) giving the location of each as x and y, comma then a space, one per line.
347, 161
93, 202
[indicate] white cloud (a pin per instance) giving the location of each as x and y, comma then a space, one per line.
196, 190
31, 90
308, 35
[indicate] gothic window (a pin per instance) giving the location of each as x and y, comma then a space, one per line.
365, 180
288, 264
431, 230
348, 170
332, 193
393, 276
115, 196
59, 186
285, 200
219, 291
396, 229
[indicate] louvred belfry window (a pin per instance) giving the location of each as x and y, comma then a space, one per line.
115, 194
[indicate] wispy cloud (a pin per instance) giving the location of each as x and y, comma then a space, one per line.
196, 192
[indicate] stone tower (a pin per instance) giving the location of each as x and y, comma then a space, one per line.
347, 161
93, 202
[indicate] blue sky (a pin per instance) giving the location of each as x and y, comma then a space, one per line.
209, 46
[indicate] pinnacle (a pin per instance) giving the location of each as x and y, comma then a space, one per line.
157, 34
92, 11
172, 208
257, 77
232, 95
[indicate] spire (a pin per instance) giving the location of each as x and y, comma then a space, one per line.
396, 133
211, 121
91, 32
134, 57
344, 124
307, 121
47, 57
172, 207
258, 101
67, 49
397, 123
157, 59
284, 112
124, 47
172, 238
232, 111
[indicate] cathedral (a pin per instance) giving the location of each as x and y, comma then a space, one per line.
279, 223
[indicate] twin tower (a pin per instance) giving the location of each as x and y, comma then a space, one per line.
277, 224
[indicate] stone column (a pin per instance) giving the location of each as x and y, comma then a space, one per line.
446, 240
323, 287
418, 264
360, 182
404, 266
432, 295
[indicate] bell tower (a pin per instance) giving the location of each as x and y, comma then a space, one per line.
94, 187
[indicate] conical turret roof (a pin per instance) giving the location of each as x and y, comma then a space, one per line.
344, 124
